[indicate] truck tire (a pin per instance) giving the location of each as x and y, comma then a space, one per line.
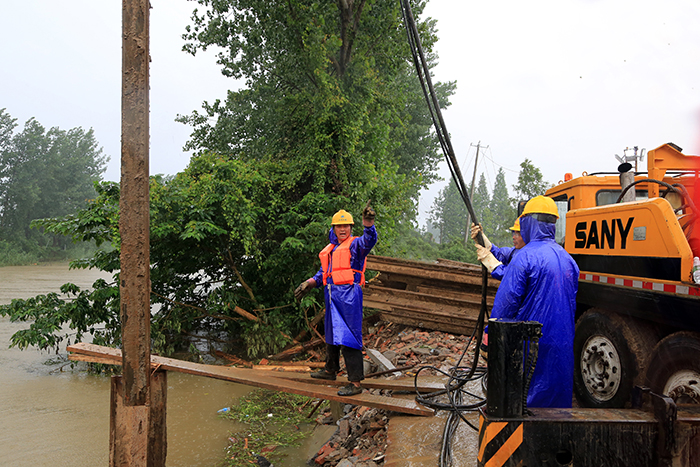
674, 368
609, 358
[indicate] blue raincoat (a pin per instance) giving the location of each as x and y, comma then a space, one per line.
343, 321
504, 255
540, 284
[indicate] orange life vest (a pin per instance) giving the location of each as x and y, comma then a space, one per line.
342, 273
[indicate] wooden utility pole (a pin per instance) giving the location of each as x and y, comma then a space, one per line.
137, 424
471, 190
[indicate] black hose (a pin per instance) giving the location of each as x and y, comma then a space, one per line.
676, 188
660, 182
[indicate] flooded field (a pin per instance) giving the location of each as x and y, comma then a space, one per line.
54, 416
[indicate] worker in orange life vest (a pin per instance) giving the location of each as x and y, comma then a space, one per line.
342, 275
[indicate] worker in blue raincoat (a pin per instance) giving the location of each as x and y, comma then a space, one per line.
502, 254
540, 284
342, 275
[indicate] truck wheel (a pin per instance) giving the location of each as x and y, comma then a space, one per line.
674, 368
609, 355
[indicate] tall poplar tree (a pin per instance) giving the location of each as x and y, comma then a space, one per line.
531, 183
449, 213
330, 90
502, 210
331, 115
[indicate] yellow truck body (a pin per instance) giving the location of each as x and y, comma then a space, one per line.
638, 308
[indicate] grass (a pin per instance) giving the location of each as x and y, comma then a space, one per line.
272, 420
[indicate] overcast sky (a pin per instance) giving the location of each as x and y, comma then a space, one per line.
565, 83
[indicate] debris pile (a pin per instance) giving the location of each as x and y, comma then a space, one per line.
361, 438
412, 347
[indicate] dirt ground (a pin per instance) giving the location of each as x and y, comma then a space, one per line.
368, 437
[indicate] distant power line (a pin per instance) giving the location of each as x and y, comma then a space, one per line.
499, 165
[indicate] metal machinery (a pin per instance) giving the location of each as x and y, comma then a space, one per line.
638, 309
656, 432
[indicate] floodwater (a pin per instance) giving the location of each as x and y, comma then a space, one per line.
51, 415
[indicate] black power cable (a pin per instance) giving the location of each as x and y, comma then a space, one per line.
458, 376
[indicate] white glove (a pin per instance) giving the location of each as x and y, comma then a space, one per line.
475, 229
486, 258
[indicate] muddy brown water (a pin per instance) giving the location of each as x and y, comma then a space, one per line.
54, 416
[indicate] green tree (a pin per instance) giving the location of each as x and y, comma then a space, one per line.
44, 174
449, 213
530, 182
481, 203
502, 210
330, 90
329, 118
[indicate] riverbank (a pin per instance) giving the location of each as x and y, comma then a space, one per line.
12, 254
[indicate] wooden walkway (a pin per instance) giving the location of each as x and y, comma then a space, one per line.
281, 381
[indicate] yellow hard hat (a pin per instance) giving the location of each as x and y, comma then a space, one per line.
342, 217
516, 226
541, 205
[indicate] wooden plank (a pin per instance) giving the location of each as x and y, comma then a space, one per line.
92, 359
288, 364
262, 380
289, 353
377, 262
456, 294
281, 368
459, 318
405, 384
443, 296
428, 271
389, 302
456, 306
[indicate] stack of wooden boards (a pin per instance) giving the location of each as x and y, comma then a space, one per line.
442, 296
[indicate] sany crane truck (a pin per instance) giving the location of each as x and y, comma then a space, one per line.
638, 307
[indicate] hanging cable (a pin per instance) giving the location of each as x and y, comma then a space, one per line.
458, 376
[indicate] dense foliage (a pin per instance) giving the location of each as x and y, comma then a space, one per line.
42, 174
331, 117
330, 90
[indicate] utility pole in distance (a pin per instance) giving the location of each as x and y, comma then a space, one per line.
471, 190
